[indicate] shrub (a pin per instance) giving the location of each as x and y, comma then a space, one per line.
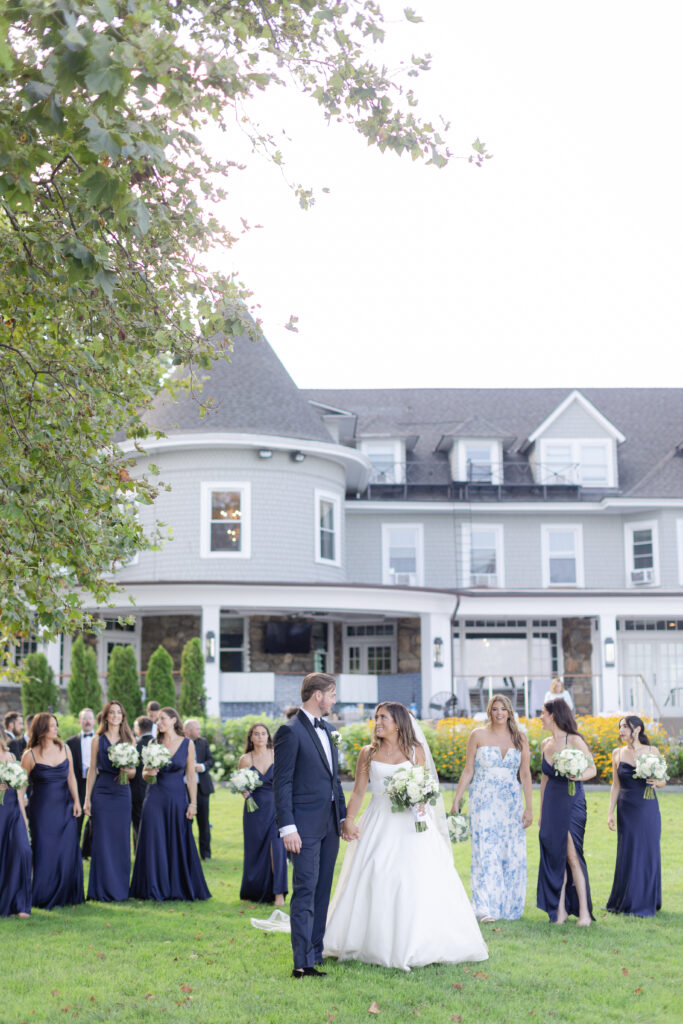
159, 678
192, 695
226, 740
123, 681
39, 691
83, 690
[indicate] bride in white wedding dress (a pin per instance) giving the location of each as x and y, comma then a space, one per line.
399, 901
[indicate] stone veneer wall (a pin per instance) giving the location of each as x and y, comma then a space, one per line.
408, 646
173, 632
259, 661
10, 699
577, 647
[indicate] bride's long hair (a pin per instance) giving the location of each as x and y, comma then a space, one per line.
406, 734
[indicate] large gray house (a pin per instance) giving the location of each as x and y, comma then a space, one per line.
433, 545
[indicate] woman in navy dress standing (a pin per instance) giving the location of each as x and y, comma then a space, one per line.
109, 805
167, 865
53, 813
264, 875
15, 852
563, 886
637, 886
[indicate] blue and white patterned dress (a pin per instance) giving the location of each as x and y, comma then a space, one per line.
498, 872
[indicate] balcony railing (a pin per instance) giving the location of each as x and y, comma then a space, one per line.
510, 479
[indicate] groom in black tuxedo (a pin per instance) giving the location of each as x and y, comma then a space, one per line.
309, 809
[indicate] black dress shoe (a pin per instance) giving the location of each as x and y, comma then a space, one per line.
308, 972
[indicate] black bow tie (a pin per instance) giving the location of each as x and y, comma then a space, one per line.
87, 735
319, 724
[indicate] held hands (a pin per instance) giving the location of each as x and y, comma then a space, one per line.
349, 832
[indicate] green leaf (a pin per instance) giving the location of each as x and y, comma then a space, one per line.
100, 140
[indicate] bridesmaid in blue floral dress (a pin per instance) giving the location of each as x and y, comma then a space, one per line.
109, 804
167, 865
637, 887
496, 755
264, 875
563, 887
52, 813
15, 852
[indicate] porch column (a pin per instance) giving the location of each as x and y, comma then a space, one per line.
435, 678
53, 653
611, 698
211, 623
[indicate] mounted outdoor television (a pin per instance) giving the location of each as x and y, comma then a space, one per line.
287, 638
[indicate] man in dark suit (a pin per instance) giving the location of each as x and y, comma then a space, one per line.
142, 729
14, 730
203, 763
309, 809
80, 745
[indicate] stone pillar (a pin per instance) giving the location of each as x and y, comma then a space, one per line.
211, 622
577, 646
435, 679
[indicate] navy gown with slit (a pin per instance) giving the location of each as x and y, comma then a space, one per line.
637, 886
57, 863
111, 818
265, 858
15, 859
167, 865
562, 815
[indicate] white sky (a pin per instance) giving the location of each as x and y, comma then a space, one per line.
557, 264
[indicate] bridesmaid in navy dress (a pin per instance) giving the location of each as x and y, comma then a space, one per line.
109, 805
264, 876
563, 886
53, 813
167, 865
15, 852
637, 886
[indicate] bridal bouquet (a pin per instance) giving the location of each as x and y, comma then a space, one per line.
13, 776
408, 788
122, 756
570, 762
245, 780
155, 755
458, 829
650, 766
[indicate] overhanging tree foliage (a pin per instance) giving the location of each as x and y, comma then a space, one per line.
105, 215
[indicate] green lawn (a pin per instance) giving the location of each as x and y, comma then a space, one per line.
205, 964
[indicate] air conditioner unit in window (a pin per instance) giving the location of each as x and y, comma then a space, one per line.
483, 579
642, 576
403, 579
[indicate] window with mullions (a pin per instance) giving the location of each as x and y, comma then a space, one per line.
232, 644
225, 520
370, 648
328, 519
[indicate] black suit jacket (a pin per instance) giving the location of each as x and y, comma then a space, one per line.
17, 747
202, 754
304, 785
138, 786
74, 745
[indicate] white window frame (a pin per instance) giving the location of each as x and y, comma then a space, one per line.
459, 466
575, 445
244, 650
245, 519
333, 499
679, 536
546, 530
399, 460
469, 578
629, 530
363, 643
388, 579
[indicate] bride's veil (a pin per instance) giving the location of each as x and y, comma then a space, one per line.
438, 811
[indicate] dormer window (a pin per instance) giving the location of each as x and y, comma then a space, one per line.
478, 461
588, 463
388, 460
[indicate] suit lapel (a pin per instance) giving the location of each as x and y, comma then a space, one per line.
304, 719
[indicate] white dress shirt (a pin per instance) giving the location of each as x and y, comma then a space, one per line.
86, 744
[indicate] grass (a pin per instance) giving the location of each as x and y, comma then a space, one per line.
203, 963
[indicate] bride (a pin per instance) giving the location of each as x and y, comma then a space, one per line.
399, 901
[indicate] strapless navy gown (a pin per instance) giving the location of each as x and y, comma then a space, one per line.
57, 863
562, 815
15, 859
167, 865
265, 859
637, 886
111, 818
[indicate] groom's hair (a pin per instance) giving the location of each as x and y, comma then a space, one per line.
316, 681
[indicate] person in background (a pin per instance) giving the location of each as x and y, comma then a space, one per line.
202, 766
153, 709
557, 692
18, 744
264, 875
15, 852
80, 745
291, 711
142, 730
14, 726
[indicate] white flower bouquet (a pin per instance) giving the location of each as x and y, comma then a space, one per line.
155, 755
570, 763
245, 780
408, 788
650, 766
458, 828
122, 756
13, 776
336, 738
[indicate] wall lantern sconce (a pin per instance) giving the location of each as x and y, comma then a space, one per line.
438, 652
610, 653
265, 453
210, 647
297, 456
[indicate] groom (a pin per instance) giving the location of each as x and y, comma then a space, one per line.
309, 808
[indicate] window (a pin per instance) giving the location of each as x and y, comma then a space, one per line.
225, 524
327, 538
319, 644
387, 459
483, 556
232, 645
642, 561
402, 554
679, 533
477, 461
562, 551
27, 645
588, 463
370, 649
